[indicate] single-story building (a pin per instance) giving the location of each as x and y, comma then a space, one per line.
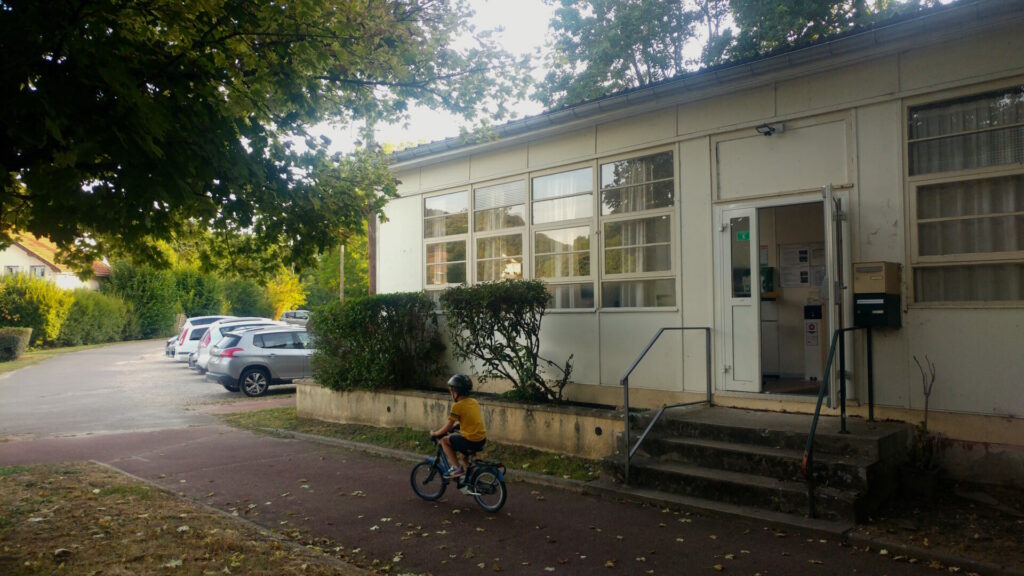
38, 258
874, 178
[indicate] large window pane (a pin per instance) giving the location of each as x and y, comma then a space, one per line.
975, 235
638, 245
500, 206
1002, 195
639, 293
973, 132
446, 263
499, 258
568, 296
562, 253
564, 196
559, 209
972, 283
637, 184
446, 215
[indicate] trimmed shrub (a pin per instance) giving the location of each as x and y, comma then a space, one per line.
387, 341
199, 294
93, 318
150, 295
247, 298
497, 324
13, 342
35, 303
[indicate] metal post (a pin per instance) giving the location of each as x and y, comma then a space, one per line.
842, 383
707, 364
871, 380
625, 387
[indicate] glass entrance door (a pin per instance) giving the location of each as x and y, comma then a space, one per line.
741, 289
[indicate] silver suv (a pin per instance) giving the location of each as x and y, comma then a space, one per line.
256, 358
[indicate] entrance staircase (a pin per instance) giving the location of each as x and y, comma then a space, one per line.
754, 459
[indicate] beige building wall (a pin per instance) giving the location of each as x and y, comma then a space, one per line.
843, 126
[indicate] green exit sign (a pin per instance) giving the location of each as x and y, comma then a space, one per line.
743, 236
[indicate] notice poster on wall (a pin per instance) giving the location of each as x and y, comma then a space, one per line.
796, 265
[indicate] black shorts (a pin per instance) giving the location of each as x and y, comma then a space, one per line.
460, 444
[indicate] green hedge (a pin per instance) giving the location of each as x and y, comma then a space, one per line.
94, 318
247, 298
149, 293
34, 303
387, 341
13, 342
199, 294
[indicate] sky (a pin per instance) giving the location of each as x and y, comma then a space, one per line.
524, 26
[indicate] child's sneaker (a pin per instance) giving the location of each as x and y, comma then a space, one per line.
453, 472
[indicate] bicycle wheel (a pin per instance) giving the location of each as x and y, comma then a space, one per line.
427, 481
489, 490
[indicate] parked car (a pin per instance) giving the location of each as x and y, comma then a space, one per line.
252, 360
217, 330
169, 346
186, 347
296, 317
181, 349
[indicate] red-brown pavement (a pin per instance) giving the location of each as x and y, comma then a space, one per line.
364, 504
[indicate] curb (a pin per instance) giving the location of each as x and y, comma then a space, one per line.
603, 489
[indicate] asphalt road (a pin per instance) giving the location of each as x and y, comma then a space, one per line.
136, 411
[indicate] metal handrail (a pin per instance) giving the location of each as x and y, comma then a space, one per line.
807, 464
625, 386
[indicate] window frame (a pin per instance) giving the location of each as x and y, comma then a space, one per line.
674, 235
425, 242
914, 183
522, 231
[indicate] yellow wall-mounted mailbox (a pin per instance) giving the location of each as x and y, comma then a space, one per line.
876, 294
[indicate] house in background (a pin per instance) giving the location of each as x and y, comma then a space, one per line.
877, 177
38, 258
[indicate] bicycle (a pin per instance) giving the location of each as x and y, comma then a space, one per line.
484, 480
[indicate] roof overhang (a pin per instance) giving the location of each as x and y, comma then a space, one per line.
931, 27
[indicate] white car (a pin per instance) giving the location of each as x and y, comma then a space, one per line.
191, 332
296, 317
216, 332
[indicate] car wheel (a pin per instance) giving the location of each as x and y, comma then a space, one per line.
254, 381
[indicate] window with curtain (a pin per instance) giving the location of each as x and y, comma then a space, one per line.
446, 231
967, 193
637, 199
499, 218
563, 211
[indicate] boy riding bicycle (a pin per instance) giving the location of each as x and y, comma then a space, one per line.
467, 415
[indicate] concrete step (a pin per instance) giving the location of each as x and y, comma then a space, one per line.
768, 461
746, 489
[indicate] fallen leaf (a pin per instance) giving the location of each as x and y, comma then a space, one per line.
718, 567
609, 564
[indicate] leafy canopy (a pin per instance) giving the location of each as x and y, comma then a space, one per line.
122, 120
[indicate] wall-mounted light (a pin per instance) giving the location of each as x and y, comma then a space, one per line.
769, 129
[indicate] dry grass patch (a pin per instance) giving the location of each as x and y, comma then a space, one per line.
85, 518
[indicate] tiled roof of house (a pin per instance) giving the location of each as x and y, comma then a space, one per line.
45, 250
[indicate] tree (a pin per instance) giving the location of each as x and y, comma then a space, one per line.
285, 292
150, 296
124, 120
322, 282
199, 293
247, 298
603, 46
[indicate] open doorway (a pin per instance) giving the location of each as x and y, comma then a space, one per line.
791, 258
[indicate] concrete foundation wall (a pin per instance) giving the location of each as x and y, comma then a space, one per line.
585, 432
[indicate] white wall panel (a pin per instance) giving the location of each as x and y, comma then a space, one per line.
636, 130
452, 173
408, 182
623, 337
400, 247
727, 111
849, 84
563, 148
502, 162
576, 334
698, 301
797, 159
977, 57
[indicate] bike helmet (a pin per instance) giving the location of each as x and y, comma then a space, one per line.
461, 384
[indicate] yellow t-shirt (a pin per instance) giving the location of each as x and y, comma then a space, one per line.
471, 420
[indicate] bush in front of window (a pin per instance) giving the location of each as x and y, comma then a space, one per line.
386, 341
34, 303
13, 342
498, 325
93, 318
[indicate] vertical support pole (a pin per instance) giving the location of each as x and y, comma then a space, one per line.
842, 382
708, 361
625, 410
871, 380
